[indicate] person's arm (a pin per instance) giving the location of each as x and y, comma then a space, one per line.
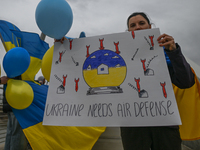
180, 71
3, 80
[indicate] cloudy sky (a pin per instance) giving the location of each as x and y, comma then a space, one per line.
178, 18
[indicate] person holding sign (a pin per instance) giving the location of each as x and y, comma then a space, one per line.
159, 138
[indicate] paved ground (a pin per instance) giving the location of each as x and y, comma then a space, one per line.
1, 146
108, 143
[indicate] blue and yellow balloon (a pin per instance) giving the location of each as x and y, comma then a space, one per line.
47, 63
16, 61
19, 94
54, 18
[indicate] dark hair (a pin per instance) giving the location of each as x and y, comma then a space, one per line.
40, 78
138, 13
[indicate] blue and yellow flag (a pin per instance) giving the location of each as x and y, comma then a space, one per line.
32, 43
8, 38
52, 137
12, 37
188, 101
30, 119
36, 48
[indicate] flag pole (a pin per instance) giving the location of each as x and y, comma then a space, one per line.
42, 36
3, 42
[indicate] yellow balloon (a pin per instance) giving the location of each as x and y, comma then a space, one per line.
19, 94
46, 63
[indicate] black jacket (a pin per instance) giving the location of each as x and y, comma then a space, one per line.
180, 71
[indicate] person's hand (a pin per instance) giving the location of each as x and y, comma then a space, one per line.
167, 41
60, 40
4, 80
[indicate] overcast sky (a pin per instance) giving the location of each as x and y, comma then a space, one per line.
178, 18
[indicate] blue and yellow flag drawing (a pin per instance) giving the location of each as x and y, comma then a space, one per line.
12, 37
52, 137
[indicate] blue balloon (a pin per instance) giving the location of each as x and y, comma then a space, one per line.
54, 17
82, 35
16, 61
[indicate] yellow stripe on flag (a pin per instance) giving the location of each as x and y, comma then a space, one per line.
8, 46
34, 67
188, 101
62, 138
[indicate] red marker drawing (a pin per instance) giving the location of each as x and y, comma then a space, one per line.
151, 38
138, 85
60, 56
64, 80
70, 46
164, 90
101, 44
76, 85
143, 64
133, 34
87, 55
117, 48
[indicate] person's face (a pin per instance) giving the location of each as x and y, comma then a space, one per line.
138, 23
42, 82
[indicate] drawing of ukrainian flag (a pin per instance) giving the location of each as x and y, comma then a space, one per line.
52, 137
12, 37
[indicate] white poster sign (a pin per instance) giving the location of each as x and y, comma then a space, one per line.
119, 79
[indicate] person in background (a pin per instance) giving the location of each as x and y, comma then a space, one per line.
165, 137
15, 138
41, 80
3, 80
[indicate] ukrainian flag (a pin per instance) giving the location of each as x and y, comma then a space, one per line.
36, 48
188, 101
52, 137
12, 37
9, 40
43, 137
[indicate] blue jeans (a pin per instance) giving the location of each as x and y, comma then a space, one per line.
15, 138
